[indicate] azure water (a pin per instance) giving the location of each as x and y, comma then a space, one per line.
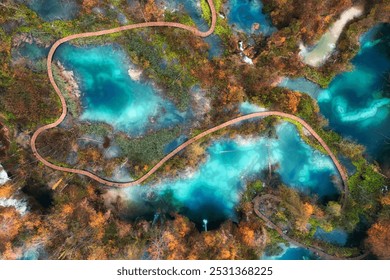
50, 10
244, 14
213, 191
291, 252
110, 95
357, 103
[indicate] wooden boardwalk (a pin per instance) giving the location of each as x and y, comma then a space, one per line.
196, 32
233, 121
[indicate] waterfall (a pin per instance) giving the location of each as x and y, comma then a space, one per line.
205, 224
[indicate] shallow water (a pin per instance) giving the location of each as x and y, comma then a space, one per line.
292, 252
213, 191
33, 51
50, 10
319, 53
243, 14
175, 143
31, 254
246, 108
337, 236
357, 103
110, 95
302, 85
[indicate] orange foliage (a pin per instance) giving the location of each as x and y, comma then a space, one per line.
98, 253
234, 94
225, 254
67, 209
308, 208
89, 4
247, 235
182, 225
10, 224
97, 220
151, 11
93, 155
9, 253
293, 101
379, 239
386, 200
174, 245
209, 239
6, 191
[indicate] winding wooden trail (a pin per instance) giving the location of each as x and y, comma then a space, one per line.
196, 32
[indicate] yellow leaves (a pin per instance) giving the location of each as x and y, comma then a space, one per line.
93, 155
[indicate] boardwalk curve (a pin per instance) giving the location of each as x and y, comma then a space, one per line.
236, 120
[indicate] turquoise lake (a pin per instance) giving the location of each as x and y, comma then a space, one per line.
291, 252
213, 190
109, 94
357, 103
243, 14
336, 237
50, 10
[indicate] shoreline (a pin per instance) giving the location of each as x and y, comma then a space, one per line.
318, 54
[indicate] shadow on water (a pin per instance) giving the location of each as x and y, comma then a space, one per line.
39, 194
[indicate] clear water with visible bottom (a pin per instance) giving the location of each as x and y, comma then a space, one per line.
110, 95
